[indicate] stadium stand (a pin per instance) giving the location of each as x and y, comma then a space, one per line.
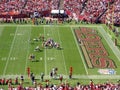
93, 11
114, 11
41, 5
12, 7
73, 7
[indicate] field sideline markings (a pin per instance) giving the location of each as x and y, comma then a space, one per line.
110, 43
45, 57
27, 51
62, 53
79, 52
37, 76
27, 25
10, 52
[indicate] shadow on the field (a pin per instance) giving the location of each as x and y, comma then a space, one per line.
74, 79
38, 50
36, 61
60, 48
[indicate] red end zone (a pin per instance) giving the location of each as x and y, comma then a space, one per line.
95, 54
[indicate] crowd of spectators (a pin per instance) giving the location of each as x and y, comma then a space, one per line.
27, 6
64, 85
90, 10
87, 10
12, 7
73, 7
113, 12
94, 8
41, 5
117, 12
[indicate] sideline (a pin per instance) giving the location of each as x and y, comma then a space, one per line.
111, 44
87, 77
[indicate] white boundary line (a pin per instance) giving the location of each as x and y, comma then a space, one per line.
27, 51
66, 76
45, 57
114, 49
79, 52
10, 52
62, 53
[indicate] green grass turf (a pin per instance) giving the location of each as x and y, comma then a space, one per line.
15, 48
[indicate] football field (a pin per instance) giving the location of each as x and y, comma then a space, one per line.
17, 42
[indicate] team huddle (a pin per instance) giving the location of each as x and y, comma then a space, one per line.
46, 43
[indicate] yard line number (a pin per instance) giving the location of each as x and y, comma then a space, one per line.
11, 58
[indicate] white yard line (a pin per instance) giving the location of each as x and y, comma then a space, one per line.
27, 51
110, 43
45, 57
62, 53
11, 48
80, 52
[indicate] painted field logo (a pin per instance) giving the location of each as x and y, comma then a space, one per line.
92, 46
107, 71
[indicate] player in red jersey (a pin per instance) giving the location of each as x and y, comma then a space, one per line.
3, 81
91, 85
16, 80
28, 71
70, 72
